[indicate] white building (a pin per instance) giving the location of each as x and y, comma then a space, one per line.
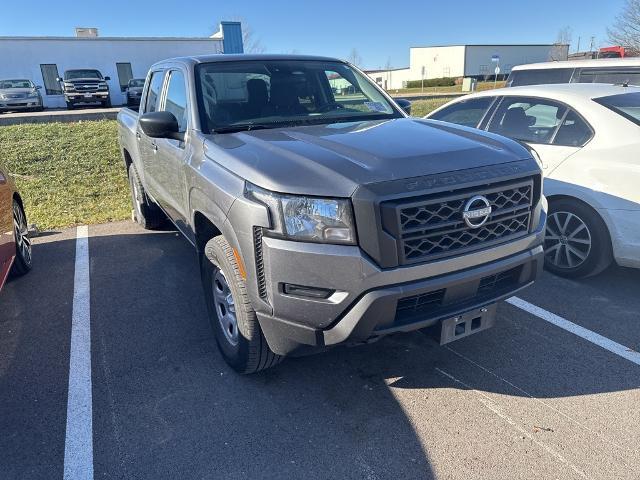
43, 59
456, 61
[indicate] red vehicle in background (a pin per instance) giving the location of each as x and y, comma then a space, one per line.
15, 245
616, 52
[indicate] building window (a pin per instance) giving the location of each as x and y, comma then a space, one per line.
484, 69
124, 75
50, 79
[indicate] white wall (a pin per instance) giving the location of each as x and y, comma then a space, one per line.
439, 61
21, 57
391, 79
478, 56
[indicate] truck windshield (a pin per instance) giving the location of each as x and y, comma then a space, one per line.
271, 93
625, 104
72, 74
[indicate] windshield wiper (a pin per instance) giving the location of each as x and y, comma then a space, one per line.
244, 127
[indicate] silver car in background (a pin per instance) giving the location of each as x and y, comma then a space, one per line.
19, 94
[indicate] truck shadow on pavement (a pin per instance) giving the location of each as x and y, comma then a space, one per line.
166, 406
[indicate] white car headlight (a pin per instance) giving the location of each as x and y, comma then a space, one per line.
307, 219
34, 94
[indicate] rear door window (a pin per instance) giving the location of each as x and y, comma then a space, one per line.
574, 131
153, 94
468, 112
542, 76
533, 120
629, 76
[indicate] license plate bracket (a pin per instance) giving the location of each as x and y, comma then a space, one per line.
467, 323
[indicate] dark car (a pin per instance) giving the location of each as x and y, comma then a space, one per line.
134, 91
15, 245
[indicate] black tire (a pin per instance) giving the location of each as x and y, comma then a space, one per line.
23, 260
70, 106
146, 212
107, 103
250, 353
577, 242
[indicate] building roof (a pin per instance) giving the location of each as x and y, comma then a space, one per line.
496, 45
386, 70
98, 39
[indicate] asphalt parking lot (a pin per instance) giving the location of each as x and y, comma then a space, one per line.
527, 399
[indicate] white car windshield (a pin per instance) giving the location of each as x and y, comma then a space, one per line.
16, 84
272, 93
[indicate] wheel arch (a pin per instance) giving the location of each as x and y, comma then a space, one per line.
560, 196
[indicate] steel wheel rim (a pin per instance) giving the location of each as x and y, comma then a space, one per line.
568, 240
225, 306
21, 230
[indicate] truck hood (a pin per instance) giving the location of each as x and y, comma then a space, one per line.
334, 159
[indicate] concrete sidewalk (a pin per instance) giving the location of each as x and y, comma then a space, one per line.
48, 116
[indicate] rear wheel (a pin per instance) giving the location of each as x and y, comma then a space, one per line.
145, 211
577, 242
22, 263
238, 334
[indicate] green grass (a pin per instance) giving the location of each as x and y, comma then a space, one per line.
453, 89
67, 173
420, 108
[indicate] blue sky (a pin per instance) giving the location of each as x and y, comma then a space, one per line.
381, 31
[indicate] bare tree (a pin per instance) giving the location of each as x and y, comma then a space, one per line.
250, 42
626, 29
560, 48
354, 57
564, 37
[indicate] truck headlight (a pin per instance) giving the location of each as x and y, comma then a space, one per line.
306, 219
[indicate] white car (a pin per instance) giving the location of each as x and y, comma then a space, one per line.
588, 139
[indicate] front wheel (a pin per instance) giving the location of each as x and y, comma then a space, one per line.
22, 262
577, 242
238, 334
107, 103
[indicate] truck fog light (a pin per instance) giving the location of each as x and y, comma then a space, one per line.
302, 291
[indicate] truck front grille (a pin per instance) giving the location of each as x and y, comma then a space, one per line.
428, 228
426, 305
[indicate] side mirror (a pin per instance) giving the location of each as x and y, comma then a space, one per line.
38, 87
107, 78
58, 79
404, 104
160, 125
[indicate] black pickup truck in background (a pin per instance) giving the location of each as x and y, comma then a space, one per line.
85, 85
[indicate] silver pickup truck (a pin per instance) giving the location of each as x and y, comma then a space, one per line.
321, 213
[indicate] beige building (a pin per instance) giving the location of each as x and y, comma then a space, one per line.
479, 61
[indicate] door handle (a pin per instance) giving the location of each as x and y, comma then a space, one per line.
154, 147
138, 137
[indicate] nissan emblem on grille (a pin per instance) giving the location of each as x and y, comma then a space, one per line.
476, 211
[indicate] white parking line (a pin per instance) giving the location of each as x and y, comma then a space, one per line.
593, 337
78, 445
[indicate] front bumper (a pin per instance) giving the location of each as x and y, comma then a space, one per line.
20, 104
369, 302
86, 97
